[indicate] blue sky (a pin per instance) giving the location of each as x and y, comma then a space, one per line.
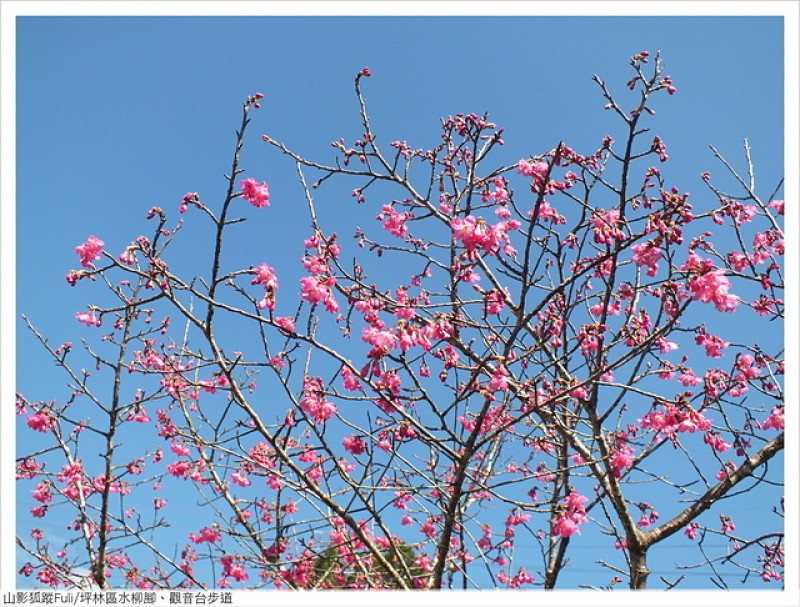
119, 114
115, 115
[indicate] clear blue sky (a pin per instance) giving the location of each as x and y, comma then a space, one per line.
116, 115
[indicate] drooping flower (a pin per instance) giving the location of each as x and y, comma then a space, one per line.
354, 444
709, 284
89, 318
607, 226
647, 254
42, 422
265, 275
394, 221
255, 193
233, 569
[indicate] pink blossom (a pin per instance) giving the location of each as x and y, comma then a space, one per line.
775, 419
127, 257
565, 526
42, 422
314, 402
255, 193
381, 339
494, 302
28, 468
89, 318
206, 534
727, 524
647, 254
189, 198
475, 233
621, 459
48, 576
354, 444
714, 345
531, 168
688, 378
428, 528
394, 221
265, 276
138, 414
285, 322
538, 171
499, 379
179, 469
521, 578
716, 442
777, 205
240, 478
739, 261
317, 290
42, 493
39, 511
350, 380
574, 514
545, 212
233, 569
607, 226
90, 251
709, 285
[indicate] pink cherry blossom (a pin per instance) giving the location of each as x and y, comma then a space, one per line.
318, 290
42, 422
42, 493
255, 193
314, 402
714, 345
775, 420
354, 444
546, 212
647, 254
708, 284
350, 380
286, 323
89, 318
574, 514
230, 568
240, 478
189, 198
265, 276
607, 226
90, 251
206, 534
394, 221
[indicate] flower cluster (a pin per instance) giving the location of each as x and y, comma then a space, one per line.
709, 284
672, 420
317, 288
477, 235
394, 221
572, 516
606, 225
314, 403
265, 275
255, 193
90, 251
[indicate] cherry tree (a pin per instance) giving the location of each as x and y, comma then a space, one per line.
464, 360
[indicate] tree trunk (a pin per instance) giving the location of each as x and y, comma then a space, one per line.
639, 570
